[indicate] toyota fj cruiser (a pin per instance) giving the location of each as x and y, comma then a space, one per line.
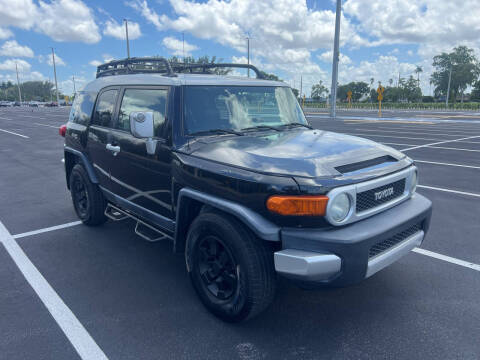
229, 169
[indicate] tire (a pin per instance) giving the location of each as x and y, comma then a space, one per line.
87, 198
231, 270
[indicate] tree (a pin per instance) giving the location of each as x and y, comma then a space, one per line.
476, 91
201, 60
296, 92
359, 89
464, 67
418, 70
390, 82
318, 90
268, 76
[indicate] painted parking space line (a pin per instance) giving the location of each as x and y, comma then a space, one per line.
448, 190
447, 259
78, 336
408, 132
14, 133
44, 230
446, 164
440, 142
55, 127
390, 136
450, 148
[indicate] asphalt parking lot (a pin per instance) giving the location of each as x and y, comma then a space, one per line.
106, 293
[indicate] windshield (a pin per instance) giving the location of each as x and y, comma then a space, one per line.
239, 107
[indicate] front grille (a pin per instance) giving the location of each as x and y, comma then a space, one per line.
374, 197
379, 248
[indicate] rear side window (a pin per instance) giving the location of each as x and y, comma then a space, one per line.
103, 115
153, 100
82, 107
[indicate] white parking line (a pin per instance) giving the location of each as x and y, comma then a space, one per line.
409, 132
450, 148
55, 127
446, 164
78, 336
440, 142
447, 259
389, 136
14, 133
51, 228
448, 190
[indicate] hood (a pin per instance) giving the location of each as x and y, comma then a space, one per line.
300, 153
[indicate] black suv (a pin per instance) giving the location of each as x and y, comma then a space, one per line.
229, 169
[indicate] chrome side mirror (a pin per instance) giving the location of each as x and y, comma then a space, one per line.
141, 124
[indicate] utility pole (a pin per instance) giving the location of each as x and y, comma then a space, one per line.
248, 54
18, 84
74, 90
336, 57
183, 46
301, 85
449, 81
55, 74
126, 34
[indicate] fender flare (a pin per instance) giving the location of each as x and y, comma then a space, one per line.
85, 162
261, 227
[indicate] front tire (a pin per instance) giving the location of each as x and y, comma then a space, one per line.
231, 270
87, 198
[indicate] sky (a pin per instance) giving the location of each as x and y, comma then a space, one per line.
291, 38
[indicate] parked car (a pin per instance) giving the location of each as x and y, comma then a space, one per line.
51, 104
246, 191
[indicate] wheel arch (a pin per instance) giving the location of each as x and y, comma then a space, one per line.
191, 202
73, 157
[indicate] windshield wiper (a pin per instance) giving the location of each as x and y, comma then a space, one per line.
217, 131
296, 124
261, 127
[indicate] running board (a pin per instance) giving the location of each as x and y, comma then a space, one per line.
142, 229
115, 214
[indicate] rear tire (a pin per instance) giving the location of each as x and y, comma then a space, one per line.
231, 270
88, 201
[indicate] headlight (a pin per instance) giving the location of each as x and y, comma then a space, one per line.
339, 207
413, 183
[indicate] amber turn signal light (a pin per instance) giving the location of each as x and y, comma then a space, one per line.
298, 205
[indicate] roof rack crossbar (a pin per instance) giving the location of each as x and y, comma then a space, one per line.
178, 67
127, 66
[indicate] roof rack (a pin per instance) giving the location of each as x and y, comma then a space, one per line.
136, 65
160, 65
188, 67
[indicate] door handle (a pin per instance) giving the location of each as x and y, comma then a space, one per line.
114, 149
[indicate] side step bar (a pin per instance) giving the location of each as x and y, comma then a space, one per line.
142, 229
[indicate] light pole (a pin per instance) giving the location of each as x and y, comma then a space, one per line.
248, 54
18, 84
336, 57
55, 74
74, 90
126, 34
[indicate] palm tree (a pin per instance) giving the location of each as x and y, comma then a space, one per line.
390, 81
418, 70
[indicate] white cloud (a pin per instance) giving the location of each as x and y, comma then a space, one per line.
425, 22
176, 46
9, 65
66, 86
12, 48
49, 60
95, 63
116, 30
18, 13
5, 33
327, 57
284, 42
67, 20
61, 20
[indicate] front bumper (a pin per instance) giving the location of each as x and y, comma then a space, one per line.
342, 256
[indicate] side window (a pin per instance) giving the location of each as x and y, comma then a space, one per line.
82, 108
154, 100
104, 110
